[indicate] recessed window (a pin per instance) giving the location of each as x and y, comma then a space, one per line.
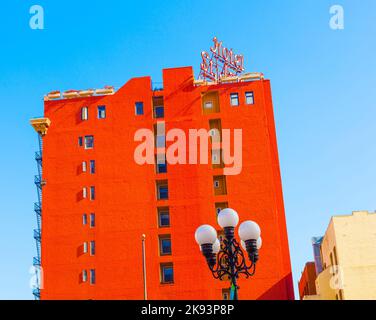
219, 185
162, 190
92, 166
92, 248
84, 113
167, 273
84, 275
165, 245
84, 219
84, 192
159, 112
92, 276
92, 193
225, 294
160, 135
139, 106
84, 247
80, 141
101, 112
249, 98
234, 99
163, 217
84, 166
89, 142
220, 206
210, 102
92, 220
161, 164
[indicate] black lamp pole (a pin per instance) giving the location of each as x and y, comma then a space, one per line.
230, 261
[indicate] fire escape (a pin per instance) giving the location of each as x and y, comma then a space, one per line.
41, 126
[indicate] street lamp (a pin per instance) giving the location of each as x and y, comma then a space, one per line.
226, 260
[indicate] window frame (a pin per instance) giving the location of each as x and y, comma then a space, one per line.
247, 97
232, 95
84, 113
163, 267
92, 193
84, 219
86, 144
163, 211
92, 220
92, 277
159, 185
92, 248
137, 105
162, 238
101, 112
92, 166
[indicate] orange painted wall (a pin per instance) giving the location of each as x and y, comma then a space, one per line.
126, 205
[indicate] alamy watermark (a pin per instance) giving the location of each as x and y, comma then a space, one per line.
36, 21
337, 19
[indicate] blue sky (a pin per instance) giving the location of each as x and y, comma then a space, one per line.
323, 84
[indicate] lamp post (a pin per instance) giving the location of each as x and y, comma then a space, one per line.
226, 259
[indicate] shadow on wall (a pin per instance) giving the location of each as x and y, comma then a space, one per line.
274, 293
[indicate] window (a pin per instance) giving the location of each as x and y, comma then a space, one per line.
225, 294
84, 219
80, 141
84, 113
92, 166
92, 220
165, 245
84, 275
215, 130
210, 102
89, 142
101, 112
92, 276
84, 247
163, 217
219, 185
83, 166
84, 192
92, 248
158, 107
167, 273
234, 98
162, 190
161, 164
249, 98
220, 206
92, 193
217, 158
139, 108
159, 112
159, 135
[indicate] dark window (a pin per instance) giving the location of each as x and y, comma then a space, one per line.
80, 141
92, 193
92, 276
92, 220
234, 97
101, 112
249, 99
163, 217
159, 112
162, 189
92, 248
167, 273
165, 245
139, 108
92, 166
161, 164
89, 142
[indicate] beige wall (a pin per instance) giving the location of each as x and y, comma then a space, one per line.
350, 243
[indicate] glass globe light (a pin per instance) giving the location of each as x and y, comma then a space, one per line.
259, 243
228, 218
249, 230
205, 234
216, 246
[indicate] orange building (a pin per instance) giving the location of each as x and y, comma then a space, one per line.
98, 202
307, 284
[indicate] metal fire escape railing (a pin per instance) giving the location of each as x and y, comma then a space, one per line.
40, 125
